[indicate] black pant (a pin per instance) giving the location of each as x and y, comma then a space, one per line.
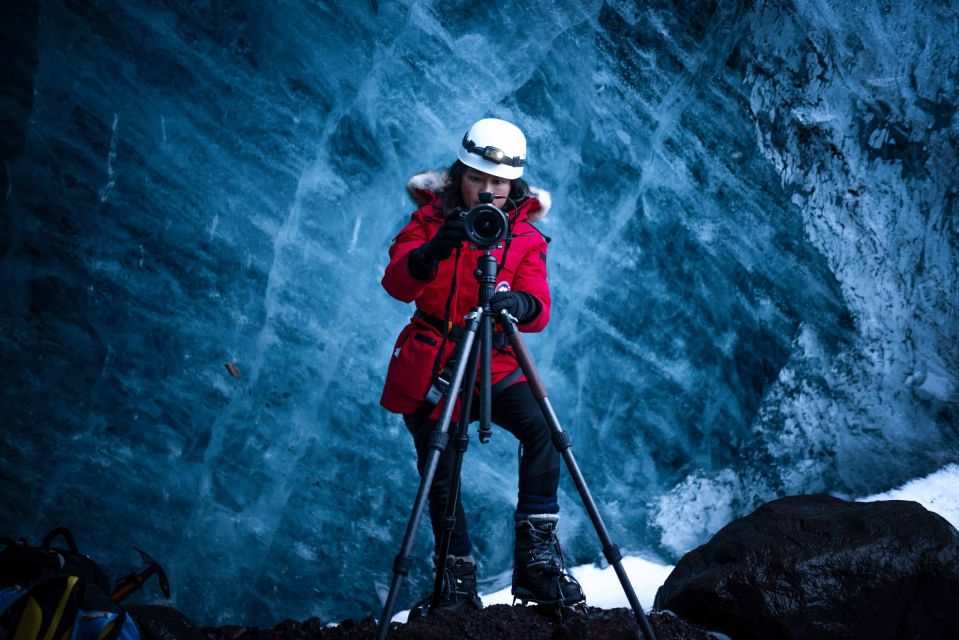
515, 410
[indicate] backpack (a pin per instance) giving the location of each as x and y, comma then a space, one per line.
51, 593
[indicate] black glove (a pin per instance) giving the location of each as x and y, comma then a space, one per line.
440, 247
519, 304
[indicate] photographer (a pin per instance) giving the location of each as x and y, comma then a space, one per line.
432, 264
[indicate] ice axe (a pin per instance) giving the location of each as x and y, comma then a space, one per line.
136, 580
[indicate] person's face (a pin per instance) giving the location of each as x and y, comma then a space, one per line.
475, 182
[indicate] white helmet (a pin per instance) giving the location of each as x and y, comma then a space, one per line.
495, 147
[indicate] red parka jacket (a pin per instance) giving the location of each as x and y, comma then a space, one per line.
410, 371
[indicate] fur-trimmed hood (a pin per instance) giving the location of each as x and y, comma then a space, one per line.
422, 186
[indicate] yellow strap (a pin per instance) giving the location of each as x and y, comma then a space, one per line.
108, 629
31, 617
71, 582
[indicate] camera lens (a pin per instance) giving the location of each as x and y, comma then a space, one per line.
486, 225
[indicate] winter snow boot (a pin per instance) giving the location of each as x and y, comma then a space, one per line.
539, 572
459, 589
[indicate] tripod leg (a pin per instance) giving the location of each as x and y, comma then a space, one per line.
562, 443
438, 441
460, 443
486, 387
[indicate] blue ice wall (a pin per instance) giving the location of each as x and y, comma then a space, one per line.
754, 260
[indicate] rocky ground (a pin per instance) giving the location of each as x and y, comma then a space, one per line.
494, 622
798, 567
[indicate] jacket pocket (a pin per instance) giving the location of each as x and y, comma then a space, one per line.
411, 363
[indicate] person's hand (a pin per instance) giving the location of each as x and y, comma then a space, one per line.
519, 304
450, 235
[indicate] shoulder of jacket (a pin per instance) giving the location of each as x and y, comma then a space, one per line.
545, 237
537, 206
526, 229
426, 216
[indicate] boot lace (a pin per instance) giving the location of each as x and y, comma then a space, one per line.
451, 584
551, 566
541, 552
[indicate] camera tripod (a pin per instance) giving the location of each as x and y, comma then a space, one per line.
480, 320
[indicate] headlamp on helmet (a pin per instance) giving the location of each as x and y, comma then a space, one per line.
495, 147
495, 155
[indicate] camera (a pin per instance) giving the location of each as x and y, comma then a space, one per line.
486, 224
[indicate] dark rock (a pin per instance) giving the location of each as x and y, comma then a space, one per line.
229, 632
821, 567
